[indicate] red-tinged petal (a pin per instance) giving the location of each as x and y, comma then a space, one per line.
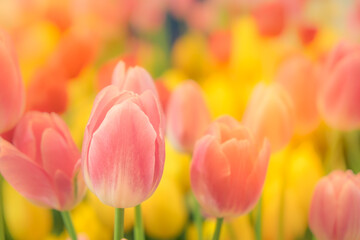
210, 175
56, 154
65, 191
321, 219
348, 212
25, 176
122, 155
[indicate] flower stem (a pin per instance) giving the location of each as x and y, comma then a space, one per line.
2, 222
258, 220
353, 150
219, 222
119, 223
68, 224
139, 229
197, 217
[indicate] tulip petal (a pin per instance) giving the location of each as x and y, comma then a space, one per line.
119, 75
321, 220
56, 153
25, 176
348, 210
121, 156
65, 191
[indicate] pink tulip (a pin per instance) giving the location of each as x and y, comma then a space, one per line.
44, 163
228, 169
134, 79
340, 92
300, 78
123, 150
335, 209
12, 92
270, 18
270, 114
187, 116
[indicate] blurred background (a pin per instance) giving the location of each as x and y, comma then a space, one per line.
67, 50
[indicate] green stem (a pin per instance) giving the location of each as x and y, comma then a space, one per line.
219, 222
68, 224
139, 229
197, 218
353, 150
258, 220
2, 222
119, 223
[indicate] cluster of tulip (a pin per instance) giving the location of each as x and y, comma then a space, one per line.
262, 143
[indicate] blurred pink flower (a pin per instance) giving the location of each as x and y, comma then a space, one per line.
12, 91
187, 116
270, 114
44, 163
228, 169
335, 210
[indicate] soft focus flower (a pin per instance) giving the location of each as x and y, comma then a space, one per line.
298, 75
19, 215
228, 169
270, 18
164, 213
270, 114
287, 193
187, 116
123, 149
134, 79
12, 92
340, 92
44, 163
335, 209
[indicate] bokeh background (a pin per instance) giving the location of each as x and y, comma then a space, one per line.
67, 50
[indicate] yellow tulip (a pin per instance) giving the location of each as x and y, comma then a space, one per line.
24, 220
36, 45
106, 214
165, 213
86, 222
291, 178
238, 228
177, 167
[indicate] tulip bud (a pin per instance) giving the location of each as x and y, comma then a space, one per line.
335, 209
134, 79
298, 75
340, 93
44, 163
12, 92
123, 149
228, 169
187, 116
270, 114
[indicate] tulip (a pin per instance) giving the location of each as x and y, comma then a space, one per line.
12, 92
270, 114
123, 149
187, 116
134, 79
298, 75
228, 169
340, 94
335, 210
44, 163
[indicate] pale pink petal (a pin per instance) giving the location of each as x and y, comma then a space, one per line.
119, 75
25, 176
321, 219
138, 80
121, 158
56, 153
65, 191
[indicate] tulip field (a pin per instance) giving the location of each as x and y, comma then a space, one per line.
180, 120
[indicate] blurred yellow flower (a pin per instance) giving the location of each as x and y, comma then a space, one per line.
25, 220
165, 213
106, 214
291, 178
